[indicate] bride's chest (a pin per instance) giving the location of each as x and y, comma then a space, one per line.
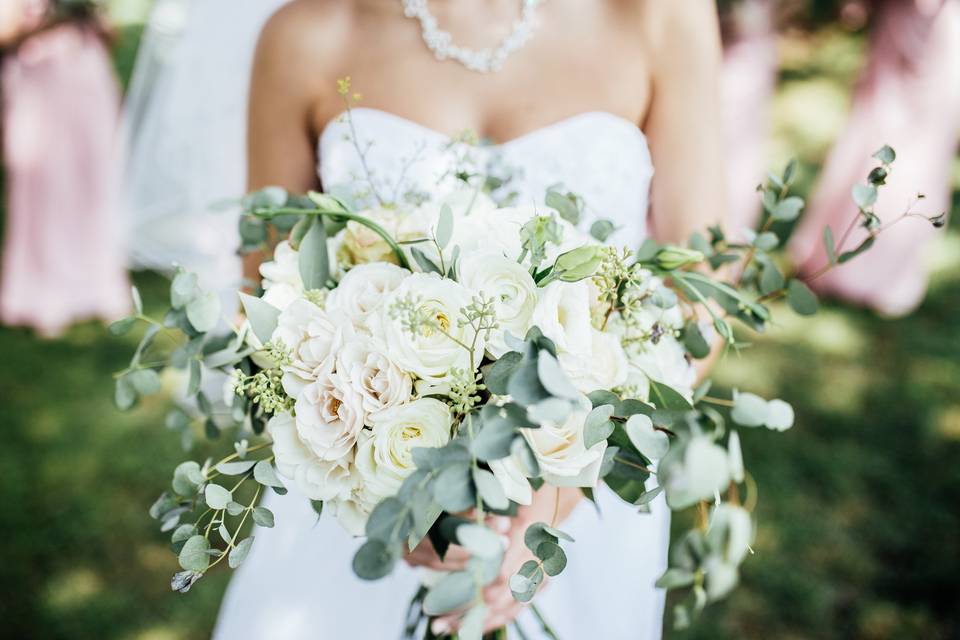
554, 76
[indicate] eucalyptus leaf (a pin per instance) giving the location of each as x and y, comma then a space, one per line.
183, 289
497, 375
675, 578
203, 311
865, 195
122, 327
453, 489
553, 378
490, 489
187, 478
801, 299
124, 395
787, 209
652, 444
886, 155
829, 245
373, 560
263, 517
450, 593
313, 261
444, 227
552, 558
597, 426
235, 468
265, 474
193, 556
145, 381
261, 315
239, 553
216, 497
601, 230
426, 264
479, 540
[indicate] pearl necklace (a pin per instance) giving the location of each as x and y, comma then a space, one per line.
486, 60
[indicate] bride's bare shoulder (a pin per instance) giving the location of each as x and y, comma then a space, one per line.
307, 34
667, 25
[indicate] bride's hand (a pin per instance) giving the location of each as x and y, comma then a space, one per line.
550, 505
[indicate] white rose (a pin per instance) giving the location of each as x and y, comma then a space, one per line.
352, 514
329, 416
564, 459
379, 382
512, 288
317, 479
430, 354
509, 473
604, 366
313, 337
362, 290
386, 458
563, 315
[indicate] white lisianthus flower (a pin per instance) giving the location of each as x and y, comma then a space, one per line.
386, 458
316, 479
329, 416
665, 361
563, 315
431, 353
564, 459
604, 366
512, 288
379, 382
362, 290
509, 473
282, 283
313, 337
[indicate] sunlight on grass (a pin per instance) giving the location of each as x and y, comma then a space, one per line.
72, 589
830, 332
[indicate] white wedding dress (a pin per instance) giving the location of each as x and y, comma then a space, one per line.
297, 583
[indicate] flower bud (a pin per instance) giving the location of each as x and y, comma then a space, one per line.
579, 263
671, 257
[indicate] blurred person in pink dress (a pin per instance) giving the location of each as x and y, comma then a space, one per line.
908, 97
62, 260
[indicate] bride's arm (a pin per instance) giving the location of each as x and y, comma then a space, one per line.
684, 123
292, 77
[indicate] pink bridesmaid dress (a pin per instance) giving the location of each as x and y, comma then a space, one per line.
909, 98
62, 258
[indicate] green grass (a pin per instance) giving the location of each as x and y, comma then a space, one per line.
859, 533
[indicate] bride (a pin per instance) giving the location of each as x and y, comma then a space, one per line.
592, 95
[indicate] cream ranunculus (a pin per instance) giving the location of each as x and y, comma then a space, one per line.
604, 366
386, 459
329, 416
380, 383
362, 290
313, 337
316, 479
564, 459
563, 315
509, 473
359, 244
430, 354
512, 288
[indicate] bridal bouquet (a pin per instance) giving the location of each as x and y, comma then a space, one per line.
414, 367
